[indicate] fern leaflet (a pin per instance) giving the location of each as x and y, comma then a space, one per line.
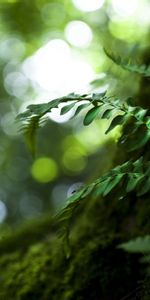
143, 70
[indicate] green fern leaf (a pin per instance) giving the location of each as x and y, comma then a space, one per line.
80, 108
91, 115
103, 106
67, 108
30, 130
127, 65
118, 120
113, 182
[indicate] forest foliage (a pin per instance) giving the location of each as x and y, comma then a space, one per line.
94, 243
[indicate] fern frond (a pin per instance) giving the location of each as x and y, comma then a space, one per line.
33, 116
103, 107
30, 129
132, 176
137, 176
126, 64
124, 179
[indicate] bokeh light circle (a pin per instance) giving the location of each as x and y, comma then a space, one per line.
78, 34
125, 9
88, 5
44, 170
3, 211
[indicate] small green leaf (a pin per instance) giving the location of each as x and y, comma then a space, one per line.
144, 187
40, 109
139, 141
91, 115
138, 165
30, 133
118, 120
98, 96
101, 187
80, 108
127, 65
76, 196
133, 182
24, 115
88, 190
139, 113
112, 183
66, 108
107, 114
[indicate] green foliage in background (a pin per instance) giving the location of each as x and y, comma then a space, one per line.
95, 244
133, 175
107, 198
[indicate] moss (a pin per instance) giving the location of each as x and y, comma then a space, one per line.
95, 270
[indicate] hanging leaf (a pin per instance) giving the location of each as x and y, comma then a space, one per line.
88, 190
40, 109
133, 180
30, 133
80, 108
107, 114
138, 165
144, 187
114, 181
67, 108
140, 113
138, 140
91, 115
128, 65
101, 187
135, 135
76, 196
118, 120
98, 96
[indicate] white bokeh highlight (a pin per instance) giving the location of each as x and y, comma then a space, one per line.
88, 5
78, 34
126, 8
58, 70
3, 211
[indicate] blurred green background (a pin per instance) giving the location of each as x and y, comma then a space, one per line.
49, 49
